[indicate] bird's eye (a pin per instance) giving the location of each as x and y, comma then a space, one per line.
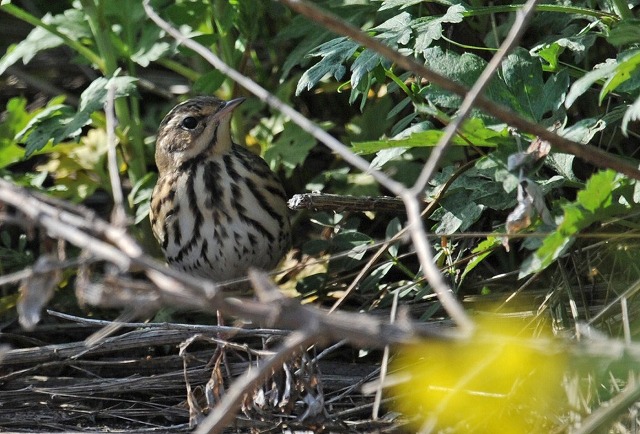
189, 123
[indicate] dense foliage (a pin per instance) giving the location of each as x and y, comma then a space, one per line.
574, 226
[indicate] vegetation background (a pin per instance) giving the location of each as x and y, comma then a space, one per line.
544, 243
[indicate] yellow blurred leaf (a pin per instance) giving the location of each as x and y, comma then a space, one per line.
498, 381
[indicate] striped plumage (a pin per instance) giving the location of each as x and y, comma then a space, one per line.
217, 209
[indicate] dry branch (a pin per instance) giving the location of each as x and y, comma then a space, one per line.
174, 288
339, 203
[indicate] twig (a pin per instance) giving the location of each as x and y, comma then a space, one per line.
119, 215
49, 217
65, 352
384, 364
176, 288
195, 328
225, 411
605, 414
591, 154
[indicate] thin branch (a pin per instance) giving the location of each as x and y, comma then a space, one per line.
605, 414
384, 364
591, 154
119, 215
175, 288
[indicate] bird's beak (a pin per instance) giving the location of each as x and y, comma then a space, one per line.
229, 106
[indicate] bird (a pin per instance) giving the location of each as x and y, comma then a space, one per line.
217, 209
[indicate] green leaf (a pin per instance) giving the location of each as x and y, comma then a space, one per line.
625, 32
480, 252
624, 70
577, 41
473, 130
209, 82
429, 29
95, 96
463, 69
598, 191
402, 4
334, 53
583, 130
14, 120
59, 122
614, 71
520, 84
291, 147
366, 62
149, 48
71, 23
530, 95
354, 245
396, 30
593, 203
460, 214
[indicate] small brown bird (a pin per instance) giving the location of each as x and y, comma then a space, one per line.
217, 209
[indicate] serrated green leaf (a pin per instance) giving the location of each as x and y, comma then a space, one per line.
58, 122
93, 99
365, 63
402, 4
38, 40
49, 129
429, 29
396, 30
334, 53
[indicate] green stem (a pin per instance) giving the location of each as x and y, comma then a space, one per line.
136, 171
389, 74
36, 22
178, 68
133, 154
